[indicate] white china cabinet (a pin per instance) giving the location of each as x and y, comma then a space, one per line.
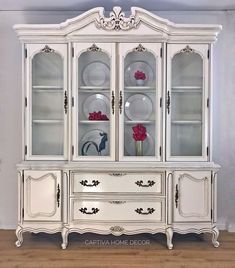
117, 127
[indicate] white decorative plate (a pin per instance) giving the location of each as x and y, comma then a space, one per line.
90, 143
96, 74
138, 66
96, 103
148, 144
138, 107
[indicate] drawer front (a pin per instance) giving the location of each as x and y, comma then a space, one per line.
117, 183
117, 210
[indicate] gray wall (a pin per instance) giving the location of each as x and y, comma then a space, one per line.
10, 105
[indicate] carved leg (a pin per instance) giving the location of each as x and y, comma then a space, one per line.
19, 235
215, 235
64, 233
169, 236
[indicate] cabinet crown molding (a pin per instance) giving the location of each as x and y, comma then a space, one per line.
140, 22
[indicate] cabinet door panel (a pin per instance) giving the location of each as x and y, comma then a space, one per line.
140, 87
46, 92
186, 97
192, 196
42, 195
94, 101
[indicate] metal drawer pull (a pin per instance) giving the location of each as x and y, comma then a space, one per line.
94, 211
117, 202
140, 183
149, 211
176, 196
58, 195
85, 183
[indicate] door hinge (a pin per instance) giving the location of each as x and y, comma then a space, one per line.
161, 52
72, 52
72, 150
207, 150
25, 53
72, 101
25, 102
208, 53
160, 150
25, 149
22, 213
161, 102
208, 102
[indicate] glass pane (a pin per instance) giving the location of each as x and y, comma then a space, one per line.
94, 104
186, 104
47, 104
47, 138
139, 104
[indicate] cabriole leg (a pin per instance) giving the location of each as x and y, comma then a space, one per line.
169, 236
19, 235
215, 235
64, 234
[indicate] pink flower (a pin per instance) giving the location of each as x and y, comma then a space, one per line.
140, 75
97, 116
139, 132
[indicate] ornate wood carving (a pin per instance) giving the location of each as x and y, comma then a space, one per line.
187, 49
47, 49
94, 48
116, 229
117, 21
140, 48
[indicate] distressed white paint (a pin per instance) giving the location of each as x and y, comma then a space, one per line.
224, 125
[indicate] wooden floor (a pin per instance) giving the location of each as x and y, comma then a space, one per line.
190, 251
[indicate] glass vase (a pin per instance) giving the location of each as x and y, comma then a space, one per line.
139, 148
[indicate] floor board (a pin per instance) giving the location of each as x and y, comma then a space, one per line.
96, 251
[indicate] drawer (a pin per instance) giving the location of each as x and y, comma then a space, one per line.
117, 183
117, 210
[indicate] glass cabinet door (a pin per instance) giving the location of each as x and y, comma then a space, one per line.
140, 102
46, 92
94, 101
186, 102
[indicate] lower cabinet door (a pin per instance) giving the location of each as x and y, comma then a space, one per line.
42, 195
192, 196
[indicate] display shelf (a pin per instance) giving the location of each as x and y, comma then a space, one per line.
47, 121
90, 122
139, 88
46, 87
187, 89
94, 91
91, 88
186, 122
132, 122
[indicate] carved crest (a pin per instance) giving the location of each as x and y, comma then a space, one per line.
116, 229
47, 49
187, 49
94, 48
140, 48
117, 21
